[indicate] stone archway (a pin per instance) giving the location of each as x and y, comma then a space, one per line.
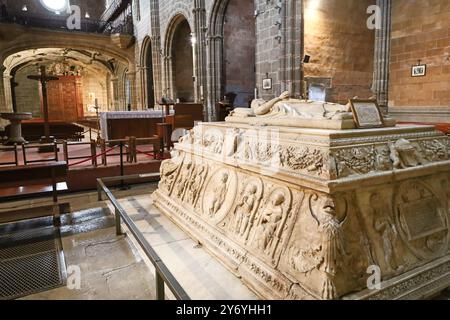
148, 83
180, 60
221, 77
14, 40
239, 55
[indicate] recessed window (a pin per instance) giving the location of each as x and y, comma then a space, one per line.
56, 6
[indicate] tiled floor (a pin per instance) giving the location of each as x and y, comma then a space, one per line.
113, 268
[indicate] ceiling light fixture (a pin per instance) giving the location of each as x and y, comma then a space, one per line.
57, 6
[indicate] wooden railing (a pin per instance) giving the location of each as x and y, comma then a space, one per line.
12, 149
127, 150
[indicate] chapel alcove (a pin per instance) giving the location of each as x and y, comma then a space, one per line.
239, 51
183, 66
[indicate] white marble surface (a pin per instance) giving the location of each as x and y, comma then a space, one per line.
199, 273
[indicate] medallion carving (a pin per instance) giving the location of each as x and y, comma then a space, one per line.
219, 195
421, 219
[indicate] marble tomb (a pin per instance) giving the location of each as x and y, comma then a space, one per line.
302, 205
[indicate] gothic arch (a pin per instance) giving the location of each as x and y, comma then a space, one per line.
215, 69
168, 48
147, 75
222, 76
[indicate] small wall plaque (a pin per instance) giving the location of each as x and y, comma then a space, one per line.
267, 84
419, 70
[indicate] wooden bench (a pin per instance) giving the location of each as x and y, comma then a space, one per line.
22, 182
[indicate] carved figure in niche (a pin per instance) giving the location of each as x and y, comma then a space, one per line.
404, 154
244, 209
183, 180
286, 107
168, 174
385, 227
196, 183
231, 142
219, 195
332, 242
268, 222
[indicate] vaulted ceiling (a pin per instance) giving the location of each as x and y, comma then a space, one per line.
93, 61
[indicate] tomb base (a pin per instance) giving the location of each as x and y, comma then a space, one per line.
316, 214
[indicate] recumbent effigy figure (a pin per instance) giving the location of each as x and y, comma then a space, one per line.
291, 112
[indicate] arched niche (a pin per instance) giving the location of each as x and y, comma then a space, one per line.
181, 73
148, 85
239, 56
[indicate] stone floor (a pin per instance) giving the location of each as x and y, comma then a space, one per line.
114, 268
110, 266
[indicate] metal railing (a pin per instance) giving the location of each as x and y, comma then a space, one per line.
163, 276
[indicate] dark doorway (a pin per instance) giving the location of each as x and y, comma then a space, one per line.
239, 51
183, 65
149, 75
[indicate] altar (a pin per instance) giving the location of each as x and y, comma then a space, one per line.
120, 124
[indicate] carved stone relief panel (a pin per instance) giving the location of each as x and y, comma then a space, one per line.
421, 219
213, 140
195, 183
268, 232
305, 159
435, 150
169, 172
321, 252
219, 195
241, 221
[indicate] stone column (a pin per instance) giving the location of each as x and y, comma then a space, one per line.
199, 13
131, 78
382, 55
8, 93
156, 49
2, 90
3, 107
291, 77
214, 82
116, 98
